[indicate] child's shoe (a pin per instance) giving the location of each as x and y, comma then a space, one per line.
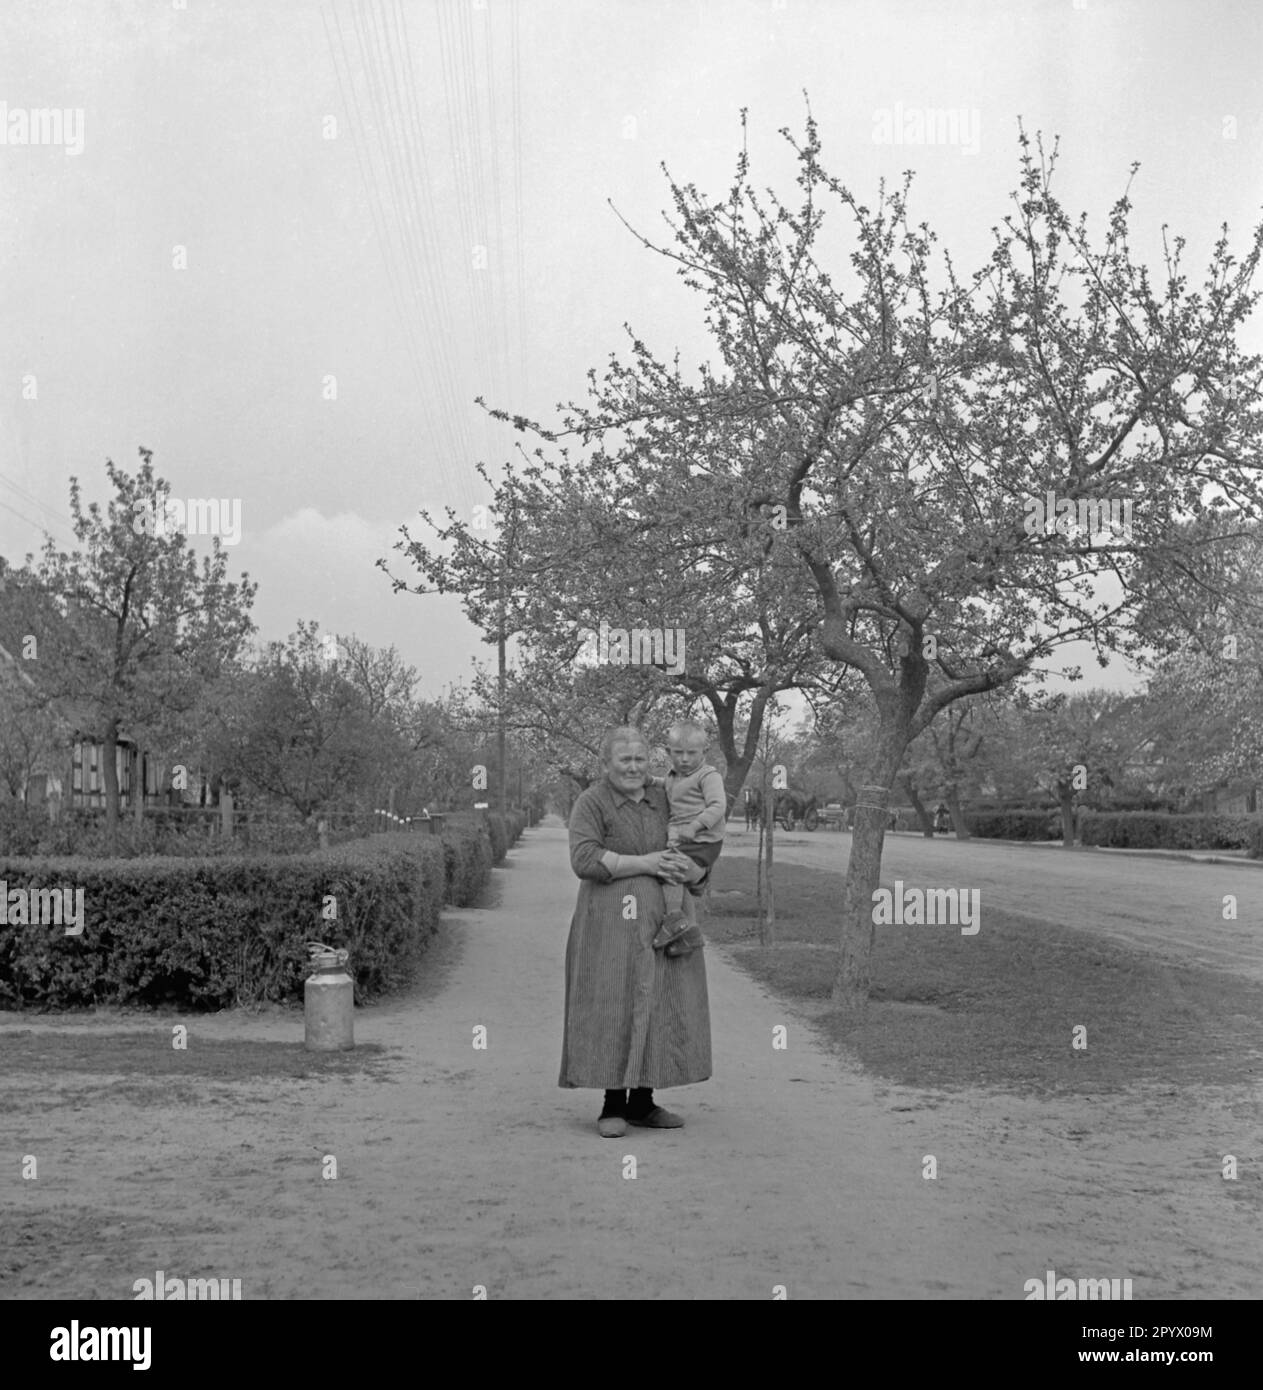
673, 928
686, 943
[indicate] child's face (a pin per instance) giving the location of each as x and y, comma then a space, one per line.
687, 753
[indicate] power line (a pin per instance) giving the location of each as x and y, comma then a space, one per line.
519, 253
492, 325
386, 203
404, 268
500, 283
24, 517
30, 498
424, 219
411, 86
462, 148
397, 173
368, 176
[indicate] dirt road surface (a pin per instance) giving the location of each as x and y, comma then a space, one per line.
470, 1167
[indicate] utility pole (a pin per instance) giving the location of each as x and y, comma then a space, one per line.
504, 770
504, 558
766, 890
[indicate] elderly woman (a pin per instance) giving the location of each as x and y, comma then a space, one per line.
636, 1018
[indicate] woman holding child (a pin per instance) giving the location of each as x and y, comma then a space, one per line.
636, 1014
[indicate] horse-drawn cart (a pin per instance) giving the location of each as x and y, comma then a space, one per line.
793, 808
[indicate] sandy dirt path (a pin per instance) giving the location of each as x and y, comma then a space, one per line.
473, 1167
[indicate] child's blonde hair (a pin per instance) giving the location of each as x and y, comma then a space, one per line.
684, 728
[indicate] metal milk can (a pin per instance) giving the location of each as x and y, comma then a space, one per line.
328, 1000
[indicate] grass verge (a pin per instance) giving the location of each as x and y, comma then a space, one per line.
997, 1009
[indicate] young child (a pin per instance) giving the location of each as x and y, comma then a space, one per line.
699, 812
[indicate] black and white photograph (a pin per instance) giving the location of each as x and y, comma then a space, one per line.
631, 664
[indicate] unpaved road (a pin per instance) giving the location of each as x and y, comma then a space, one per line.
471, 1167
1173, 908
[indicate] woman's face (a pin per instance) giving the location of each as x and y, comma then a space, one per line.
627, 766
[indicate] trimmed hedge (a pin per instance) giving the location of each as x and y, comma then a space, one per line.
472, 843
1126, 829
498, 828
505, 830
467, 854
1150, 830
1014, 825
213, 932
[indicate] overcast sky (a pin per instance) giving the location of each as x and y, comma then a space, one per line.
454, 237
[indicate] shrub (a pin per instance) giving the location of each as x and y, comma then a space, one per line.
224, 928
498, 827
210, 933
467, 851
1014, 825
1151, 830
21, 827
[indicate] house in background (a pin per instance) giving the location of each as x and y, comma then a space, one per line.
72, 772
138, 773
1237, 797
1231, 799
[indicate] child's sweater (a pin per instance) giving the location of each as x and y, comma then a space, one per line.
698, 798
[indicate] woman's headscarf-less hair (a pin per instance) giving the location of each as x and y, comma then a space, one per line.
625, 733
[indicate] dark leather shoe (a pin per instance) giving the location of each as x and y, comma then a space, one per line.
657, 1118
611, 1126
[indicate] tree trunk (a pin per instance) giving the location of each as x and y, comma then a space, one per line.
110, 773
737, 762
734, 780
1066, 798
927, 823
956, 812
863, 875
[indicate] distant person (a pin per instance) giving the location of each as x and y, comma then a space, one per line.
942, 819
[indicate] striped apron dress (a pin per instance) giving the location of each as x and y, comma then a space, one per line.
633, 1016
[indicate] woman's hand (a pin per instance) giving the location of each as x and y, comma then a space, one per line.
671, 865
658, 861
